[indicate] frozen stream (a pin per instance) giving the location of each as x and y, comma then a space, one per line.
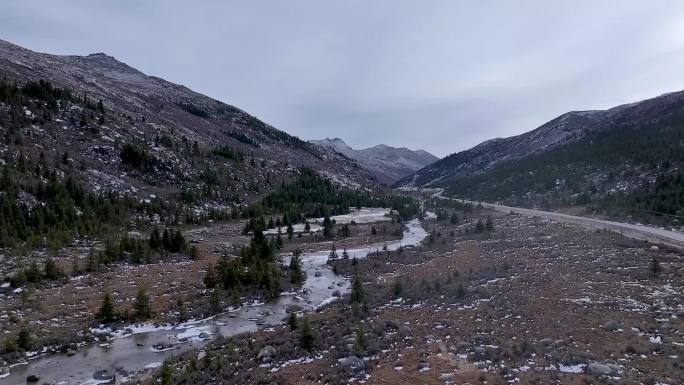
133, 351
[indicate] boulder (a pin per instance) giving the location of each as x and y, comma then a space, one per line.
293, 308
318, 274
353, 365
32, 378
405, 331
462, 346
336, 293
104, 377
267, 353
598, 369
612, 325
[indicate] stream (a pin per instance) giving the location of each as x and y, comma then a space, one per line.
134, 350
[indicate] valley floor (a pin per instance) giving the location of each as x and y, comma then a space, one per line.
532, 301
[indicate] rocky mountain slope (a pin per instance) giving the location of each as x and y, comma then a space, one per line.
625, 162
387, 164
567, 128
123, 131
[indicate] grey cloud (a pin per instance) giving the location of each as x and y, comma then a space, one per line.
438, 75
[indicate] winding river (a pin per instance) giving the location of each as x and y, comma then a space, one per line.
135, 350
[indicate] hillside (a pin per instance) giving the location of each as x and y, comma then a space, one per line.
567, 128
115, 129
623, 162
387, 164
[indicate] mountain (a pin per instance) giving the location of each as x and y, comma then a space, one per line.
115, 129
624, 162
387, 164
566, 128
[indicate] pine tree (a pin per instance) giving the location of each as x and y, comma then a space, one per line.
489, 224
396, 288
143, 306
181, 309
357, 291
296, 273
33, 273
655, 267
360, 343
307, 338
51, 270
479, 227
24, 338
327, 227
166, 374
292, 321
194, 252
166, 239
290, 231
454, 218
106, 313
460, 291
215, 301
155, 239
374, 231
210, 279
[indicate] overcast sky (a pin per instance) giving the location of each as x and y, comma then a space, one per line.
437, 75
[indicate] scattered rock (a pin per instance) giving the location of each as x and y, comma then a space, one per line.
32, 378
353, 365
405, 331
293, 308
598, 369
104, 377
266, 353
612, 325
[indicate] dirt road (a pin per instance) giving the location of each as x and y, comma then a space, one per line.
635, 231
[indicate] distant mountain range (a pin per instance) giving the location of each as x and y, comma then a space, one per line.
387, 164
626, 158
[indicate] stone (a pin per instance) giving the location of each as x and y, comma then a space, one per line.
336, 293
70, 353
405, 331
266, 353
612, 325
353, 365
104, 377
318, 274
32, 378
598, 369
293, 309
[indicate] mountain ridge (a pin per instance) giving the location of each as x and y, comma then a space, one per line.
179, 129
565, 128
386, 163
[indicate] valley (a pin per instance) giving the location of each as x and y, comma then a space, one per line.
153, 235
